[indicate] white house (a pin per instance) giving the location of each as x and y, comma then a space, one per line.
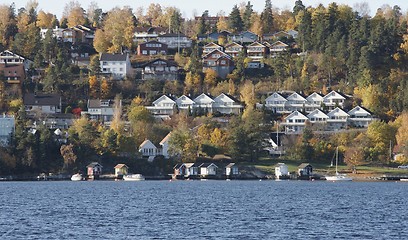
102, 109
175, 40
10, 58
162, 107
42, 103
276, 102
185, 103
117, 65
281, 171
295, 122
226, 104
148, 149
7, 125
296, 102
208, 169
256, 50
360, 117
191, 169
231, 169
337, 119
204, 101
317, 116
278, 47
333, 100
165, 145
314, 101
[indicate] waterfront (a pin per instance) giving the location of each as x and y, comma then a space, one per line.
203, 210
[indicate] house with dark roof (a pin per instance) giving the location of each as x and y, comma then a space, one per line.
159, 69
227, 104
10, 59
152, 48
115, 64
143, 34
101, 109
305, 170
42, 103
175, 40
220, 62
94, 170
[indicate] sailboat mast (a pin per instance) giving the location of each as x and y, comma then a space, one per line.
337, 158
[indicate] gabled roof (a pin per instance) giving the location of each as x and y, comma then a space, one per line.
303, 165
172, 35
336, 112
116, 57
296, 96
335, 95
297, 115
222, 54
230, 165
225, 98
314, 96
165, 139
164, 98
256, 44
206, 165
212, 44
121, 165
6, 53
279, 43
317, 113
203, 98
280, 165
168, 62
147, 144
274, 96
233, 44
94, 164
360, 110
42, 99
184, 99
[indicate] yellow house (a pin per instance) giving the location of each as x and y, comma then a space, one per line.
121, 169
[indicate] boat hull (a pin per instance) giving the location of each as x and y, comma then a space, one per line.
338, 178
134, 177
76, 177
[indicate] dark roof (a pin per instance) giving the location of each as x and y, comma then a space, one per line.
232, 97
178, 166
303, 165
231, 165
173, 35
169, 62
153, 41
94, 164
96, 103
113, 57
41, 99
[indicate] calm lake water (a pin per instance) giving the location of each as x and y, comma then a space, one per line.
203, 210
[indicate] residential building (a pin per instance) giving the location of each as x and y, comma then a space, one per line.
144, 34
152, 48
313, 101
149, 150
175, 40
296, 102
277, 47
360, 117
233, 49
333, 100
245, 37
163, 107
7, 126
256, 50
276, 102
226, 104
102, 109
295, 123
164, 143
159, 69
337, 119
204, 102
185, 103
116, 65
42, 103
317, 117
211, 47
78, 34
220, 62
9, 58
13, 73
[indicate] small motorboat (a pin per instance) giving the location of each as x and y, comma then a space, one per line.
76, 177
133, 177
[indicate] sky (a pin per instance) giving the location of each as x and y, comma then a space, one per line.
189, 8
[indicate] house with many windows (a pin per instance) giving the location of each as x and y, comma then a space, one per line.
295, 123
159, 69
152, 48
116, 65
101, 109
359, 117
175, 40
233, 49
219, 61
337, 119
42, 103
163, 107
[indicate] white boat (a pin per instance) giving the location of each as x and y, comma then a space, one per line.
338, 176
404, 179
76, 177
134, 177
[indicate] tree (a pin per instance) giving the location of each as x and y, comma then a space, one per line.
76, 16
154, 13
267, 18
101, 42
210, 78
298, 7
105, 89
94, 65
246, 16
67, 152
45, 20
234, 20
93, 87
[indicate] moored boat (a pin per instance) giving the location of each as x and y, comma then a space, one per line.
338, 176
76, 177
133, 177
